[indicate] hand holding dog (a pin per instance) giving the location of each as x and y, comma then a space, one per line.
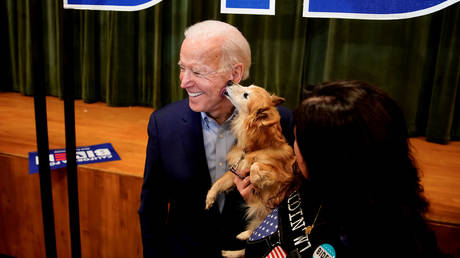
244, 186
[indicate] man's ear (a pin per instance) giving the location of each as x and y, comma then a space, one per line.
237, 72
277, 100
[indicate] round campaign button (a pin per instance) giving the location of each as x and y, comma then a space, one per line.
324, 251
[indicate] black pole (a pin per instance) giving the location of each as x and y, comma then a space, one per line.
41, 127
69, 113
72, 178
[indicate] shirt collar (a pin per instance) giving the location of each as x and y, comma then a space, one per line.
207, 119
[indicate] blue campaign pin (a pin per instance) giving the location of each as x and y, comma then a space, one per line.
324, 251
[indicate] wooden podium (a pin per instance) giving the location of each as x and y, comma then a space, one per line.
109, 193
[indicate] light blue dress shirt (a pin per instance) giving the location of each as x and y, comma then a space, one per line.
218, 139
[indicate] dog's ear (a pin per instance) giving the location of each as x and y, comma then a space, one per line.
261, 114
277, 100
264, 117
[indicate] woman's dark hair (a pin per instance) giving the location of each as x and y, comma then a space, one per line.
354, 140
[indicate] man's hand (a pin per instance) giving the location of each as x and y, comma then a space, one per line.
244, 186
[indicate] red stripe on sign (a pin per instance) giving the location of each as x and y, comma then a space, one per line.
60, 156
277, 252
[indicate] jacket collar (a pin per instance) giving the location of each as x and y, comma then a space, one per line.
192, 140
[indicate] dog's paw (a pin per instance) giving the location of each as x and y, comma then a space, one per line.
233, 253
209, 204
256, 175
244, 235
255, 167
260, 175
210, 199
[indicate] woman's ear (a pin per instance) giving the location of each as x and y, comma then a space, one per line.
237, 72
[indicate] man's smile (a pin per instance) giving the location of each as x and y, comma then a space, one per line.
195, 94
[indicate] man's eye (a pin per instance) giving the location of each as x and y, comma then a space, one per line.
245, 95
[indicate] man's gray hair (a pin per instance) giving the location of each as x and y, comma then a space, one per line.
235, 47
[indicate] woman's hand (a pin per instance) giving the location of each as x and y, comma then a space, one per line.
244, 186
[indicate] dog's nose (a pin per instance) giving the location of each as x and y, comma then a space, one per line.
229, 83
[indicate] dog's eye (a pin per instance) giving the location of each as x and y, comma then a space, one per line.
245, 95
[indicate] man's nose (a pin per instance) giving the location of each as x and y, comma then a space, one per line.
185, 79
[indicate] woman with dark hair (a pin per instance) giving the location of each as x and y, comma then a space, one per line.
362, 195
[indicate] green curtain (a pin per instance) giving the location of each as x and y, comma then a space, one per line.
130, 58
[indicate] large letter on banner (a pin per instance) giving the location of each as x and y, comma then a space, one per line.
248, 6
113, 5
373, 9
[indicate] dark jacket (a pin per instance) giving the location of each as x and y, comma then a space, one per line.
329, 238
176, 172
293, 216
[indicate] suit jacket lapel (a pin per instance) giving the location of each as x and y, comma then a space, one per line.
192, 140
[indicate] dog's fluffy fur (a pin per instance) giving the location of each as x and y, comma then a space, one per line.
262, 149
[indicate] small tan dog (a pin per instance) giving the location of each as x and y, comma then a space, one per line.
262, 149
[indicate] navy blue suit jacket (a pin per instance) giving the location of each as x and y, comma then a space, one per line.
176, 172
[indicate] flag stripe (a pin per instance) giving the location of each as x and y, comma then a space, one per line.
277, 252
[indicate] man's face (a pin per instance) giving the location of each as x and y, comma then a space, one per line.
202, 77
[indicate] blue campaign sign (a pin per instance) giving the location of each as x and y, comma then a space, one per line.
254, 4
116, 5
373, 9
109, 2
84, 155
248, 6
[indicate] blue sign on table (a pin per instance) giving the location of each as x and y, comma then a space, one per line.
84, 155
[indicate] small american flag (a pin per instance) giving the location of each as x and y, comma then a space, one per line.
277, 252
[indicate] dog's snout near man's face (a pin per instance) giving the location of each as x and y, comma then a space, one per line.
237, 91
237, 94
229, 83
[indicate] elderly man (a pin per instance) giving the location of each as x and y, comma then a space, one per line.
187, 147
